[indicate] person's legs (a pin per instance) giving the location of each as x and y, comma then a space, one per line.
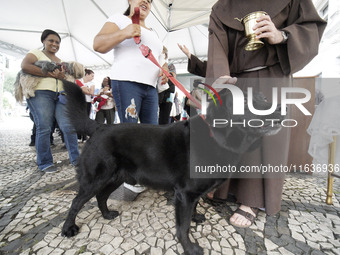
55, 125
163, 117
135, 101
88, 108
164, 113
42, 107
178, 117
149, 109
70, 134
34, 129
109, 115
128, 97
100, 116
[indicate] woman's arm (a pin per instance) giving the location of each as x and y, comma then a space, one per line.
110, 36
88, 91
28, 66
162, 74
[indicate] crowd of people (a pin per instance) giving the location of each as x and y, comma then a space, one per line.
138, 91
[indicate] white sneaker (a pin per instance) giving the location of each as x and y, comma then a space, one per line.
135, 188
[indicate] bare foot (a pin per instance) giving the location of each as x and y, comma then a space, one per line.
239, 219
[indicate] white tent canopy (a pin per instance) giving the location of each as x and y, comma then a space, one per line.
78, 21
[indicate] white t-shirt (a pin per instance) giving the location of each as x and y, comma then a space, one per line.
129, 64
88, 84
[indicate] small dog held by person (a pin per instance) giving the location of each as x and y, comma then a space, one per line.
25, 83
142, 153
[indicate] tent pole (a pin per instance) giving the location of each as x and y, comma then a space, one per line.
68, 29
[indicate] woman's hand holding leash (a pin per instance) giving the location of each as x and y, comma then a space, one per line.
132, 30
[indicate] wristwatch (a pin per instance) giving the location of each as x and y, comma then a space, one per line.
285, 36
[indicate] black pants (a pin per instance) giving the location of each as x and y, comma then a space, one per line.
109, 115
176, 118
164, 113
88, 109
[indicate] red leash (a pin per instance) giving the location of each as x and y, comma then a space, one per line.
146, 51
135, 20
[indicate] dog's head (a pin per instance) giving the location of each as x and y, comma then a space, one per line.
74, 70
242, 132
78, 70
46, 66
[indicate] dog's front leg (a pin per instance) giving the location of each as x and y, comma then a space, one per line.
184, 206
70, 228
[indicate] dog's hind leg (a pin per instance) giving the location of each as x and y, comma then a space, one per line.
102, 197
184, 207
197, 217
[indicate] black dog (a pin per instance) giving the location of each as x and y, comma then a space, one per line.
144, 154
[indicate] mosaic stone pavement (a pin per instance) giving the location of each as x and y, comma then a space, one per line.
33, 207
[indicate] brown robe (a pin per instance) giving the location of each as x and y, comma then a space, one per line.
226, 56
196, 66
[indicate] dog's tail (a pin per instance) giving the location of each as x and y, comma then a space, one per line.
77, 111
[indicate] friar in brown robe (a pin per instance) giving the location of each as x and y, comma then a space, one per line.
276, 63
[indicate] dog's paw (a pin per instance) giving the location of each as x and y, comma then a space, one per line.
70, 231
198, 218
110, 215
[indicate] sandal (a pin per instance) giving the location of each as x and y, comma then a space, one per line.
246, 215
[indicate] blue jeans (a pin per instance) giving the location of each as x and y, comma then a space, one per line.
135, 101
45, 107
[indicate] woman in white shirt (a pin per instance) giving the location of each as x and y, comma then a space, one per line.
88, 87
133, 77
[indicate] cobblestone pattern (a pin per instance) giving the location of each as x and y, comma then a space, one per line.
33, 207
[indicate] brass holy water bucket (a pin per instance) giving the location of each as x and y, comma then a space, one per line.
249, 21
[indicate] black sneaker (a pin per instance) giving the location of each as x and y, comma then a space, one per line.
50, 169
32, 143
